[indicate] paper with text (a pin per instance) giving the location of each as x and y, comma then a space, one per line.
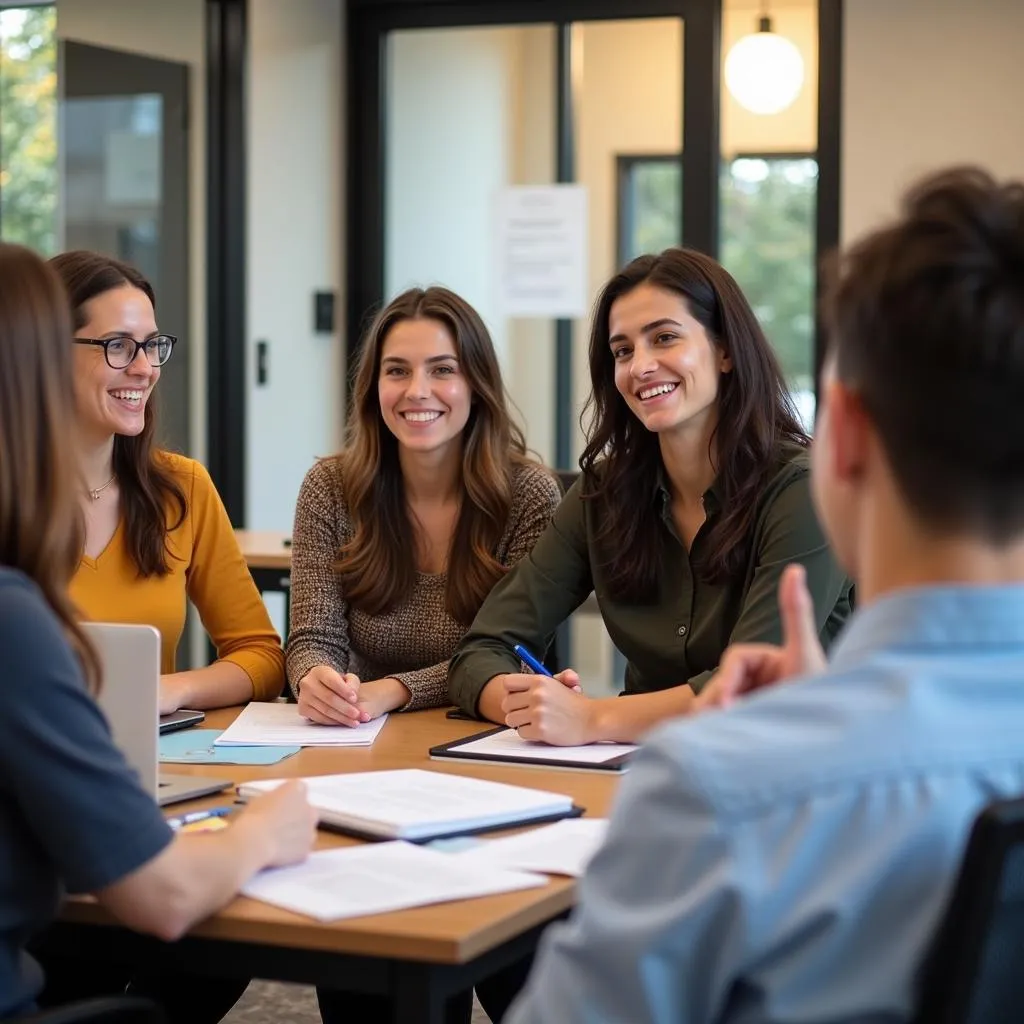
281, 725
379, 878
564, 848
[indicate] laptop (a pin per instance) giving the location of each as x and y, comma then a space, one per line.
130, 662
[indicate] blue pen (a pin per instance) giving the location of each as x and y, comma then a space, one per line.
527, 658
193, 816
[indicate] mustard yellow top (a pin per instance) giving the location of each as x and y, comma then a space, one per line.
207, 567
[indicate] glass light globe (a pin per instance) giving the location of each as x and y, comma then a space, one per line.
765, 72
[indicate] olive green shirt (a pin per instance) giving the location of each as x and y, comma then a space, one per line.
680, 637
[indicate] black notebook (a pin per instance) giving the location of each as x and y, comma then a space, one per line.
505, 745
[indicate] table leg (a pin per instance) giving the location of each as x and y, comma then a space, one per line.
418, 998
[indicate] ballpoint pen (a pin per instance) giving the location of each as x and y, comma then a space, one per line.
193, 816
528, 659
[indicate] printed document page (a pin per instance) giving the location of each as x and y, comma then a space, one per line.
378, 878
564, 848
281, 725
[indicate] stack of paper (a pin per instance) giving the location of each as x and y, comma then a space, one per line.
564, 848
411, 803
281, 725
360, 880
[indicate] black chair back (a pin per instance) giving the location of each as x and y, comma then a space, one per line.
566, 478
974, 972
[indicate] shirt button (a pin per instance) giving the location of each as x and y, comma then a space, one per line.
681, 631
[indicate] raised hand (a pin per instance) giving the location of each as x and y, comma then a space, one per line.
747, 667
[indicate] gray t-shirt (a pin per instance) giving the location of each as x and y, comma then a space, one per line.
73, 815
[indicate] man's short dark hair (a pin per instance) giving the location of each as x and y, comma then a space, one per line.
926, 318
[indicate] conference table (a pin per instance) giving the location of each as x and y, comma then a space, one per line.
417, 957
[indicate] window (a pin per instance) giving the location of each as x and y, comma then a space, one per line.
768, 204
28, 127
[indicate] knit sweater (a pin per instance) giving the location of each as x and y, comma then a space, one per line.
412, 641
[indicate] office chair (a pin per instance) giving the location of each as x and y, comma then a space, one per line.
566, 478
108, 1010
974, 972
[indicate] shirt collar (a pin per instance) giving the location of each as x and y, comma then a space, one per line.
712, 496
961, 616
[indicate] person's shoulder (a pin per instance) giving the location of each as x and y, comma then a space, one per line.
323, 487
534, 483
792, 462
28, 626
751, 758
325, 476
191, 476
180, 466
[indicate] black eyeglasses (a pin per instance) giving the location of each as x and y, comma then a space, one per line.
121, 352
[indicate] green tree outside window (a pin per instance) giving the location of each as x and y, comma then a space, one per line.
767, 241
28, 127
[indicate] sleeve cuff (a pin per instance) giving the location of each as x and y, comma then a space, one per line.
265, 673
465, 692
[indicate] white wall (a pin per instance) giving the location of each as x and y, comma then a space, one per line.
171, 31
295, 230
924, 89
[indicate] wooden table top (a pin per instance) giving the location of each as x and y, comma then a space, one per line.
445, 933
265, 549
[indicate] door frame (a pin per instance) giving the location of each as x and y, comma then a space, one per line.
369, 23
227, 45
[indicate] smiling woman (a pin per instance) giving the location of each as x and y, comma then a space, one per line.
398, 540
156, 531
693, 498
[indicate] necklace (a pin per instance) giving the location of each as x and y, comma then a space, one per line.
95, 492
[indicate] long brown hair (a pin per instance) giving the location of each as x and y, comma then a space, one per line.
622, 459
40, 524
148, 490
377, 567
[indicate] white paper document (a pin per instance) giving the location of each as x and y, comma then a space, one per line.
564, 848
281, 725
379, 878
509, 744
410, 803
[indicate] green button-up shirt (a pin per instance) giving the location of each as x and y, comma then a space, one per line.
679, 638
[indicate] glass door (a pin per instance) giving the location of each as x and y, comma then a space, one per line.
124, 150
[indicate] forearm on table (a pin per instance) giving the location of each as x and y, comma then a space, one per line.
190, 879
627, 718
218, 685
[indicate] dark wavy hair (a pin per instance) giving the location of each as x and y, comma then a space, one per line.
377, 567
926, 323
622, 459
148, 490
40, 522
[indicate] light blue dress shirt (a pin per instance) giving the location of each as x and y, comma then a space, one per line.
788, 860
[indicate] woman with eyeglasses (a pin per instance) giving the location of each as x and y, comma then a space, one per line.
156, 531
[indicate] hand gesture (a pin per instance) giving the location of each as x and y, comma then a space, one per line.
747, 667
